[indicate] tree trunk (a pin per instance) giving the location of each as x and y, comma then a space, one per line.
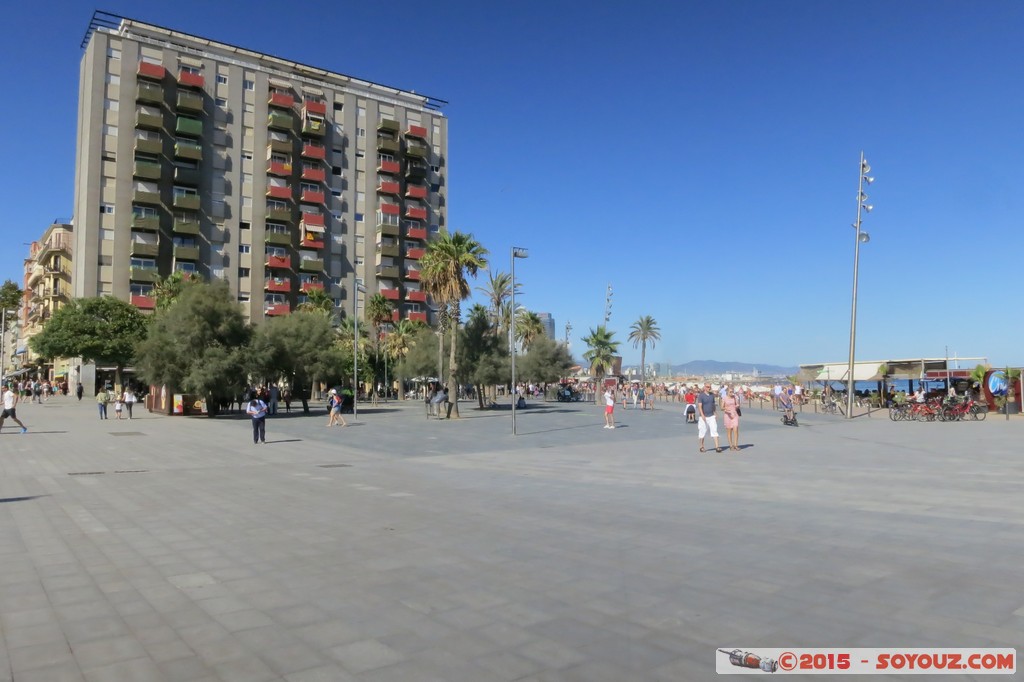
453, 388
480, 395
643, 363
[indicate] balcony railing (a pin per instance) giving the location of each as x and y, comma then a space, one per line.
190, 80
189, 202
417, 316
314, 174
280, 120
277, 284
314, 108
188, 226
189, 101
310, 286
281, 99
414, 253
284, 262
312, 240
392, 167
147, 170
414, 275
314, 152
152, 71
416, 233
152, 121
188, 126
149, 145
311, 265
147, 223
188, 150
187, 176
276, 309
388, 145
313, 126
311, 197
415, 213
143, 302
417, 152
278, 239
314, 219
143, 197
416, 191
279, 168
391, 250
279, 215
145, 249
416, 131
186, 252
389, 188
279, 192
389, 229
416, 296
144, 275
391, 294
149, 92
386, 125
280, 146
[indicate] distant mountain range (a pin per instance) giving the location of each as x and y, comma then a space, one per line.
702, 367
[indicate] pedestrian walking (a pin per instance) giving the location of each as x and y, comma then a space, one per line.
275, 396
10, 408
257, 409
118, 405
609, 408
334, 409
129, 400
706, 420
731, 419
102, 399
79, 391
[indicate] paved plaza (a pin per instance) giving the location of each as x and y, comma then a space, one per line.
404, 549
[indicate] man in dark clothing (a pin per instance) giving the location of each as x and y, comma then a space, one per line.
706, 420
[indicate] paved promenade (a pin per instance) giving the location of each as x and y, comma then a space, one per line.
406, 550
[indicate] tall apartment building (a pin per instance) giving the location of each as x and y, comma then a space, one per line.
278, 177
549, 325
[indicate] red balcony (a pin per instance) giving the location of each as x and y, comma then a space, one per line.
276, 309
315, 219
144, 302
390, 209
417, 296
390, 294
278, 284
312, 241
389, 167
310, 286
314, 174
279, 168
153, 71
312, 197
415, 213
416, 233
314, 152
315, 108
413, 275
281, 99
279, 192
416, 131
389, 188
415, 254
279, 262
418, 317
416, 192
395, 316
190, 80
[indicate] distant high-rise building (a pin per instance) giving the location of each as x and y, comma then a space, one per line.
277, 177
549, 325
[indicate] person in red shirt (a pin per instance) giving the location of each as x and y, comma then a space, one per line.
691, 406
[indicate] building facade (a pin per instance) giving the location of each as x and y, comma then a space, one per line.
549, 325
47, 286
277, 177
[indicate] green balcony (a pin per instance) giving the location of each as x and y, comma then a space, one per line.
188, 150
388, 229
282, 146
417, 152
149, 92
144, 250
147, 222
188, 126
147, 170
388, 271
311, 265
187, 176
280, 120
153, 121
188, 202
279, 215
186, 252
316, 128
391, 250
149, 146
278, 239
145, 275
144, 197
386, 125
190, 101
388, 145
186, 226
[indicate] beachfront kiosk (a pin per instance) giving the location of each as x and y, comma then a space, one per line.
933, 373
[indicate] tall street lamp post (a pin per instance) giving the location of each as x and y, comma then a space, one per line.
360, 289
516, 252
861, 238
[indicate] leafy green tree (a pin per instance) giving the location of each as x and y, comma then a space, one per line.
601, 353
644, 331
198, 345
318, 301
421, 358
102, 330
397, 346
297, 348
483, 361
10, 299
379, 312
545, 362
449, 258
529, 328
498, 292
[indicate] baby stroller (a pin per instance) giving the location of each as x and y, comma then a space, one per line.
690, 412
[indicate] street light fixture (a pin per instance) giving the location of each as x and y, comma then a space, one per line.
861, 238
516, 252
360, 289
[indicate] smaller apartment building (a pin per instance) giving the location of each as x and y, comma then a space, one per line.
47, 287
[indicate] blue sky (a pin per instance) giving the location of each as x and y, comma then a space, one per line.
699, 157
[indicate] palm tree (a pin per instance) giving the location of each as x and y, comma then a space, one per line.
397, 346
317, 301
498, 291
644, 330
443, 268
378, 312
528, 328
601, 354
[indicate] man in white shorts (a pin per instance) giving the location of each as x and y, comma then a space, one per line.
706, 417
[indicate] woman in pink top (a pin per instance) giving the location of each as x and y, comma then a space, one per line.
731, 419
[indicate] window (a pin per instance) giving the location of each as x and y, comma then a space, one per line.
243, 248
436, 169
246, 202
140, 289
246, 156
185, 68
360, 155
337, 151
221, 102
109, 208
111, 105
107, 235
113, 53
360, 196
243, 299
145, 263
435, 228
335, 170
113, 79
435, 187
246, 178
248, 84
359, 217
243, 272
337, 215
336, 193
243, 226
222, 79
360, 132
338, 106
110, 130
106, 260
359, 261
185, 192
185, 266
361, 112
